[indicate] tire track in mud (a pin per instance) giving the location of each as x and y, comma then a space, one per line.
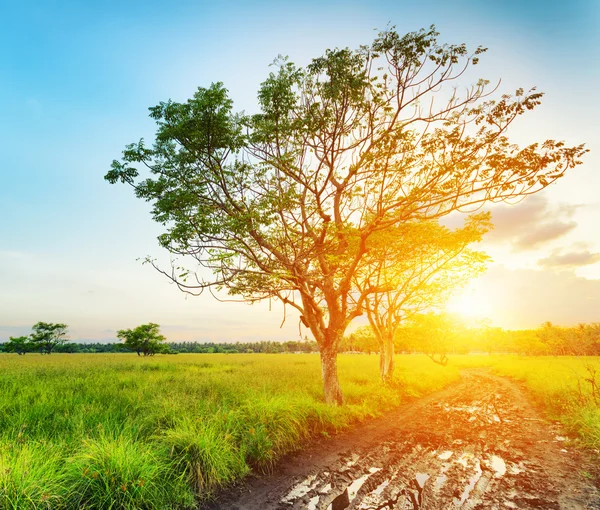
478, 444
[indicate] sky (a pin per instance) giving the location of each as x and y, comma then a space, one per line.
77, 78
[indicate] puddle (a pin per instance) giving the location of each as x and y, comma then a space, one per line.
344, 499
421, 479
462, 460
498, 465
372, 500
312, 504
472, 482
445, 455
299, 490
381, 487
517, 469
440, 481
326, 489
353, 460
355, 486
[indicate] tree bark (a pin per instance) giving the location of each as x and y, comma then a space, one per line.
331, 383
386, 359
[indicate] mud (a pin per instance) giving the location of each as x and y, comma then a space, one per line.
478, 444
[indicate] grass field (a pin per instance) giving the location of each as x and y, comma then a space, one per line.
117, 431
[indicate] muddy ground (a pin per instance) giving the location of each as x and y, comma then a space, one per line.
480, 443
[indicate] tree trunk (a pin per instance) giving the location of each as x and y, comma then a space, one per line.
386, 360
331, 383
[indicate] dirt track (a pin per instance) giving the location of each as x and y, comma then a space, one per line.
477, 444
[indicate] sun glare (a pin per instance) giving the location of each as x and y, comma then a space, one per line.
471, 304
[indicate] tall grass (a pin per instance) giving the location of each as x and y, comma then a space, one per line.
117, 431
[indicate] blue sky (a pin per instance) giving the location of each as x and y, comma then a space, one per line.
77, 79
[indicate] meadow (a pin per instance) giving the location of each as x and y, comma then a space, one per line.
103, 431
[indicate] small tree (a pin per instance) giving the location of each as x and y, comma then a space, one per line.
19, 344
46, 336
145, 339
434, 334
363, 339
413, 268
282, 204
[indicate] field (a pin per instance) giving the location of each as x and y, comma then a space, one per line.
118, 431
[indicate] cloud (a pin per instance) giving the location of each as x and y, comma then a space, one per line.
542, 234
530, 223
570, 259
525, 298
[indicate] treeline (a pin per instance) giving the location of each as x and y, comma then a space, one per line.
444, 334
245, 347
432, 334
184, 347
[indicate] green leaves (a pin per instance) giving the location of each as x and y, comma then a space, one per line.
19, 345
47, 335
145, 339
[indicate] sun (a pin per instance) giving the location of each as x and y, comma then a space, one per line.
472, 304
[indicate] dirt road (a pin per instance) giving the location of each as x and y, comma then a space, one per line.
478, 444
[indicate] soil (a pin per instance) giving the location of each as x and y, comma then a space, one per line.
479, 444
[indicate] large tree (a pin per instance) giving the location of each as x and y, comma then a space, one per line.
281, 204
47, 335
414, 267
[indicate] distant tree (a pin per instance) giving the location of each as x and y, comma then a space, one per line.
47, 335
19, 344
282, 204
363, 340
145, 339
434, 334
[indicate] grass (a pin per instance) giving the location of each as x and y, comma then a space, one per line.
105, 431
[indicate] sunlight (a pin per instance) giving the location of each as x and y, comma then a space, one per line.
471, 304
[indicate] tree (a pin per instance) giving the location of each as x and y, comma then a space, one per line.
281, 204
19, 344
363, 339
415, 267
47, 335
145, 339
434, 334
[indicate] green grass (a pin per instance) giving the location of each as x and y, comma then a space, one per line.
105, 431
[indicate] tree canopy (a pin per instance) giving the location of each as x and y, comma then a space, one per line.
47, 335
145, 339
282, 203
19, 345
